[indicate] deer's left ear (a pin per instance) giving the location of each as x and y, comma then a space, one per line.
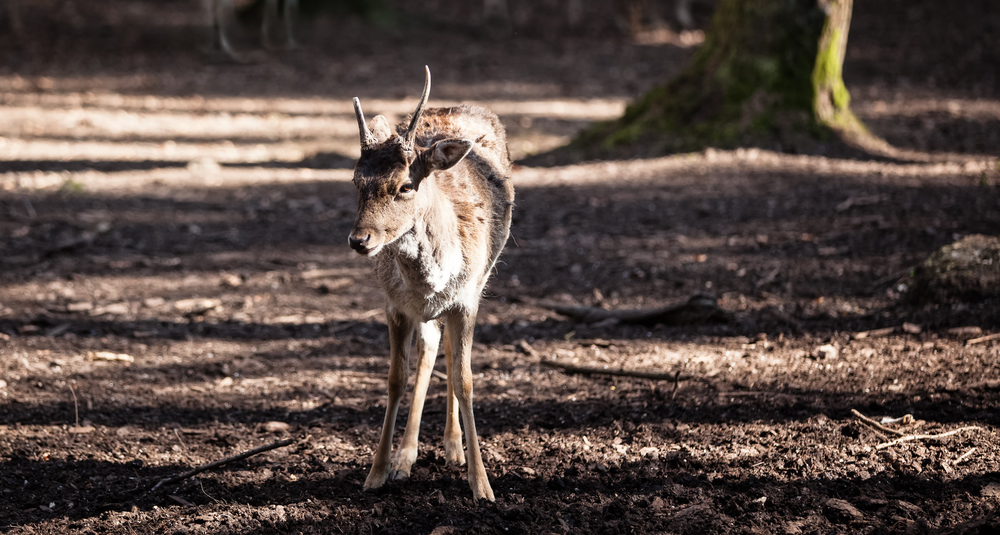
379, 127
445, 154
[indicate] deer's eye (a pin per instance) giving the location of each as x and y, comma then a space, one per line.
406, 188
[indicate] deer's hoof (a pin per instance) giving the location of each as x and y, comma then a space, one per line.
402, 464
375, 480
482, 492
399, 474
454, 455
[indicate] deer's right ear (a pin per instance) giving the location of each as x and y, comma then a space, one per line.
379, 127
446, 154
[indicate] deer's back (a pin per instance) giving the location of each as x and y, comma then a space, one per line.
485, 171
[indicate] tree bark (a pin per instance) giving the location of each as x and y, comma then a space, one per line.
831, 102
769, 74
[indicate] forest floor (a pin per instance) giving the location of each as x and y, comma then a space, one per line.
176, 288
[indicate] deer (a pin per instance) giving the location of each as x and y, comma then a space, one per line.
434, 211
222, 14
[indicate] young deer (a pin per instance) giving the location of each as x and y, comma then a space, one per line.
274, 19
434, 210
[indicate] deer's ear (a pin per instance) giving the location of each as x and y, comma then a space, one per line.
445, 154
379, 127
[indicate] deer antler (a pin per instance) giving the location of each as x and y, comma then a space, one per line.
368, 140
411, 131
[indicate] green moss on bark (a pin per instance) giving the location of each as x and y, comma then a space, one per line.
768, 74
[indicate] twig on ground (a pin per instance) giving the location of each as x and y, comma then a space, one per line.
892, 277
909, 438
524, 346
676, 377
906, 419
179, 439
29, 208
439, 375
875, 425
677, 384
961, 458
220, 462
769, 278
202, 486
343, 327
76, 406
180, 500
355, 322
982, 339
874, 333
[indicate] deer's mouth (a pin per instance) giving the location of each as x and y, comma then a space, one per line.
367, 251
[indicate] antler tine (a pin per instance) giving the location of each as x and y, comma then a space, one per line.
411, 132
367, 138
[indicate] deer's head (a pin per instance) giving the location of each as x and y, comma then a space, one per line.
389, 174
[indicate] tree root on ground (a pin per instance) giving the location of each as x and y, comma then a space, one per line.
700, 308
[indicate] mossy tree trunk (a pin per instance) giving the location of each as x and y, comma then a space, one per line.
768, 74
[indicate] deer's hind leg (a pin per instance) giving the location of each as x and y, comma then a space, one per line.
428, 338
453, 451
461, 325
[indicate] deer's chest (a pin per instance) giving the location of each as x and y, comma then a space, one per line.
423, 279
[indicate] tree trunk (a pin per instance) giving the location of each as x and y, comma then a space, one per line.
768, 74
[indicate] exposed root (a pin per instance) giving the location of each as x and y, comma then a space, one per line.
699, 308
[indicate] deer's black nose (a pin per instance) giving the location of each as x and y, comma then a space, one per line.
359, 244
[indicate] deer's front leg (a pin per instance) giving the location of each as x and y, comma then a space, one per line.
461, 325
428, 337
400, 334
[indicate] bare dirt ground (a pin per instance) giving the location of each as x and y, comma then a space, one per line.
190, 212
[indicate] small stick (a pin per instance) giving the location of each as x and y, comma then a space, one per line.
343, 327
892, 277
202, 485
29, 208
220, 462
676, 377
872, 423
179, 439
908, 438
982, 339
963, 456
76, 405
677, 384
875, 333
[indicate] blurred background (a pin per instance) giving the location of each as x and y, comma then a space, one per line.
922, 75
